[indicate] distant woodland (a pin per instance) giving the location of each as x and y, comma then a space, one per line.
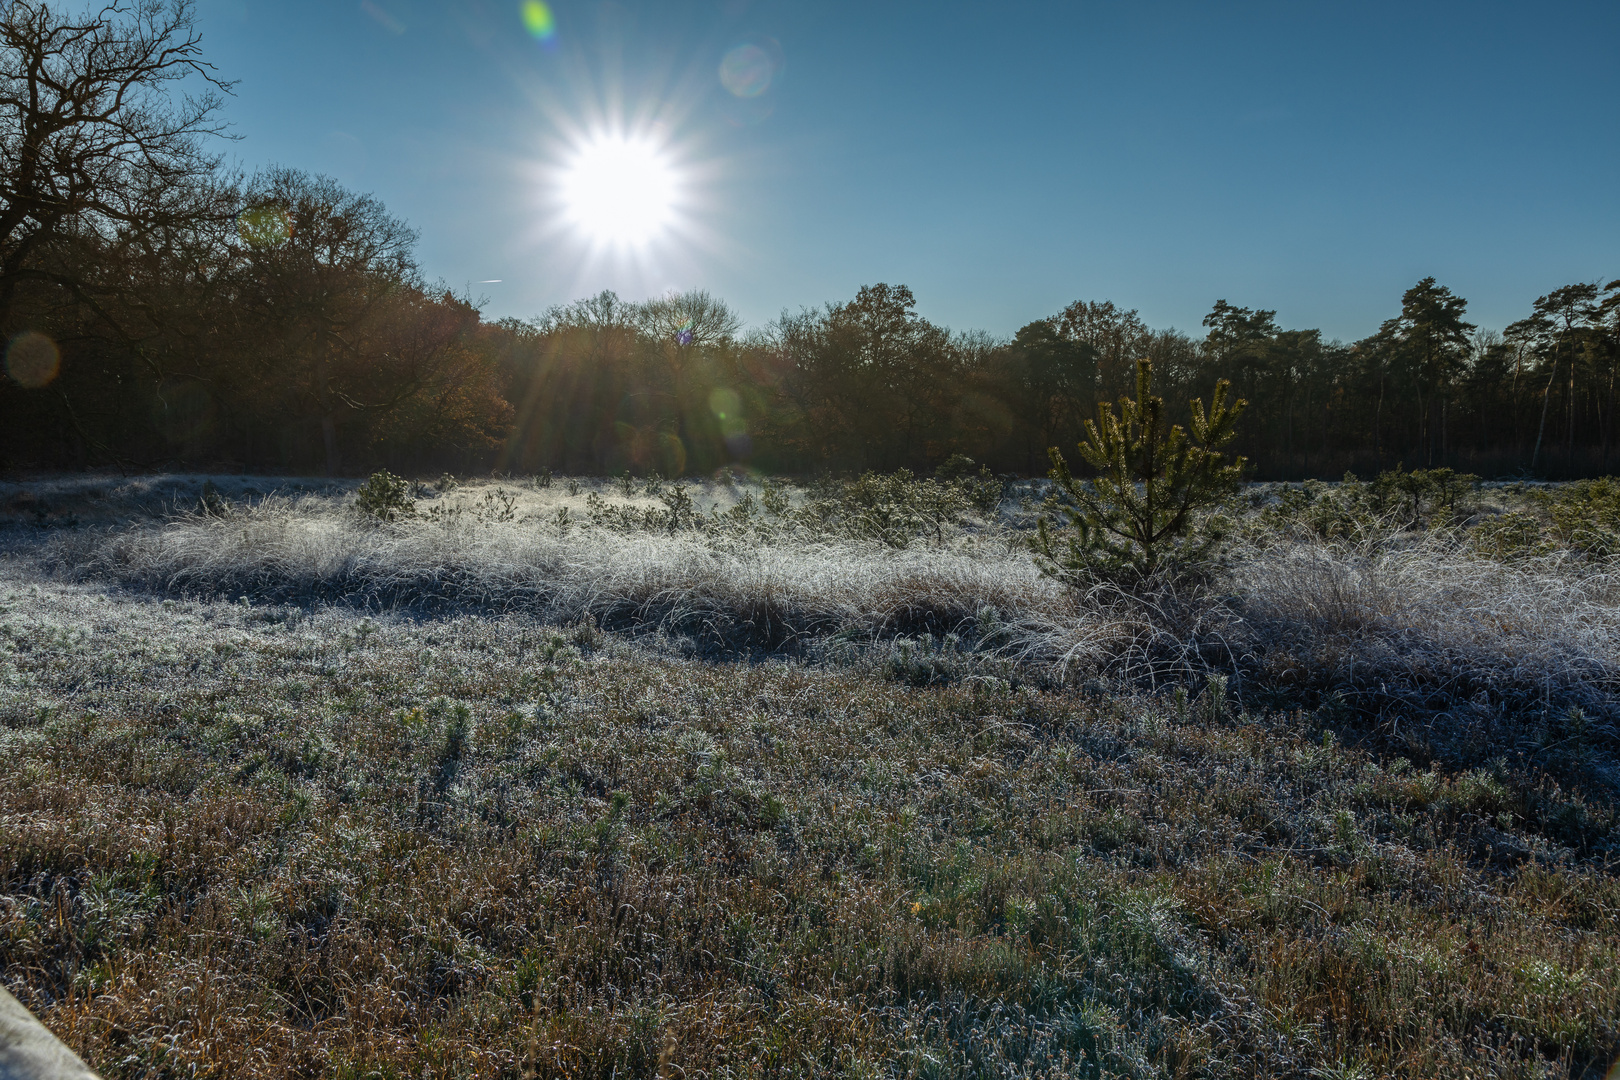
161, 311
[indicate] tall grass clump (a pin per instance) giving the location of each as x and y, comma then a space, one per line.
1462, 657
1396, 607
747, 578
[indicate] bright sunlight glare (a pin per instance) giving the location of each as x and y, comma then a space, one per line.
620, 190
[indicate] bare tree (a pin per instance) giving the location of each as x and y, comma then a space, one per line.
93, 142
677, 327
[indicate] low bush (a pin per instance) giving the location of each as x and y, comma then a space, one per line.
1581, 518
1357, 510
385, 497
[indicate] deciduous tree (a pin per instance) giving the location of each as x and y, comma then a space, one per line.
94, 140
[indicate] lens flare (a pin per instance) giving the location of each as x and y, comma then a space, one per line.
620, 190
538, 20
727, 408
672, 454
32, 360
724, 403
747, 71
746, 112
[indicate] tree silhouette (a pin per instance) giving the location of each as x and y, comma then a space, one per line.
315, 271
92, 143
1428, 345
1050, 381
1551, 329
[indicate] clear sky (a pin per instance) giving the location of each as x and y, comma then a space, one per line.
1000, 159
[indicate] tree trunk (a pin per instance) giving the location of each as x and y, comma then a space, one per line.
1606, 422
1570, 437
1426, 436
1305, 443
1546, 396
1442, 429
1290, 437
1378, 425
329, 439
1326, 448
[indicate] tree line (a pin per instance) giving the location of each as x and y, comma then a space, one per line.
161, 311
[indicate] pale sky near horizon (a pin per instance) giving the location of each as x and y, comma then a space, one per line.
1001, 160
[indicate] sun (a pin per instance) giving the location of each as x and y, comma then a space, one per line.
620, 190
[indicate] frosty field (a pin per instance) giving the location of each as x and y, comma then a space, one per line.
794, 781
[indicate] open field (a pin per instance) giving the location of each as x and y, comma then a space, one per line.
791, 782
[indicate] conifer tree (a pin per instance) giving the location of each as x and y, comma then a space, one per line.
1139, 516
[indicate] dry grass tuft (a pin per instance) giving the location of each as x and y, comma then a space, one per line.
1475, 658
769, 590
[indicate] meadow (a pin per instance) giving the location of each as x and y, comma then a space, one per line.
537, 776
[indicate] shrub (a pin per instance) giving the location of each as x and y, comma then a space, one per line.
385, 497
1582, 518
1514, 534
874, 506
211, 503
775, 498
982, 489
956, 467
1330, 512
496, 506
892, 509
1358, 510
677, 500
1585, 516
1419, 496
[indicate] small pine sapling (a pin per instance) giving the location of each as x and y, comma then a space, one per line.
385, 497
1140, 516
775, 498
682, 511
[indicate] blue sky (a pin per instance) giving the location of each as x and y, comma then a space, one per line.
1002, 159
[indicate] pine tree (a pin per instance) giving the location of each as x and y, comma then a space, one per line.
1139, 517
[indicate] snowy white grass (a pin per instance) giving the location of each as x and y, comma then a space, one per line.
1445, 654
766, 583
1481, 656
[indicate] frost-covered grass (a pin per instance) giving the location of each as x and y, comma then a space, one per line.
266, 840
1502, 652
767, 589
495, 792
1411, 637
